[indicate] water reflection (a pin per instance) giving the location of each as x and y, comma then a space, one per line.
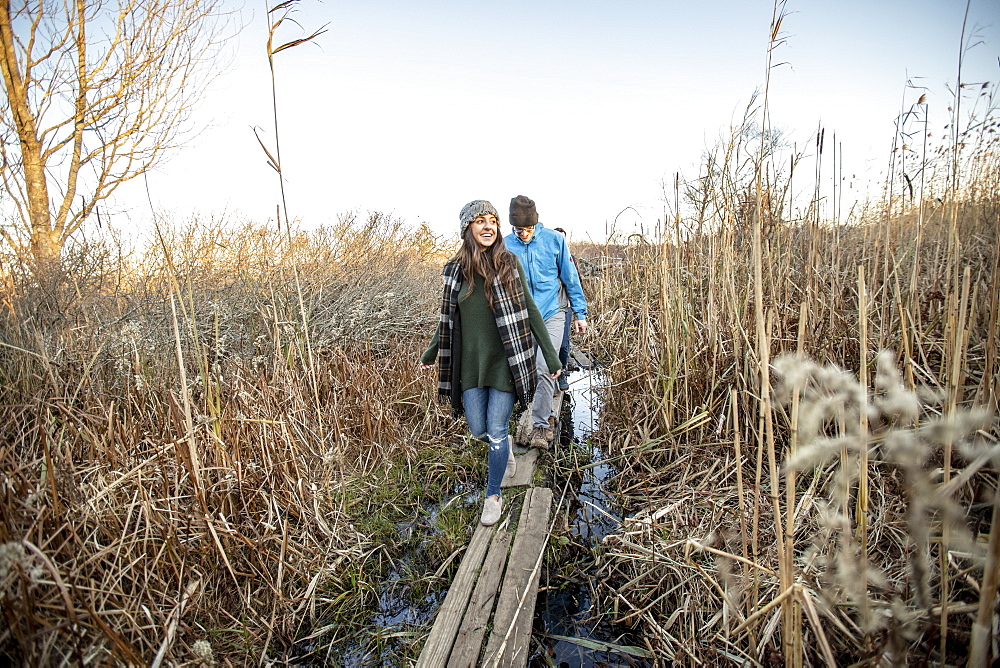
566, 620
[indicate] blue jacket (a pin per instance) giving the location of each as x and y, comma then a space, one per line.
547, 266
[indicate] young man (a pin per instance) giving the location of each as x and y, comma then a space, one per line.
545, 257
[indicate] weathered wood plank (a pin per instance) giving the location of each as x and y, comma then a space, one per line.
538, 527
449, 617
508, 642
522, 435
526, 465
469, 641
581, 359
557, 400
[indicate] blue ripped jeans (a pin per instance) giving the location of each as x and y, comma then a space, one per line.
488, 413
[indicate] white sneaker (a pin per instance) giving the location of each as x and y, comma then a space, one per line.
511, 463
491, 511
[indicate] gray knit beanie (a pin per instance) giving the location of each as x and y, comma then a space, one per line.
474, 209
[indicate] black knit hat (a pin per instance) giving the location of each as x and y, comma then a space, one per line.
522, 212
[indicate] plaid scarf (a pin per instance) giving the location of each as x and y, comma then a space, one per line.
515, 332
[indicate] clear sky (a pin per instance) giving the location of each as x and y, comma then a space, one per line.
415, 107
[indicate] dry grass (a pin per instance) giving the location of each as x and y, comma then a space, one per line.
829, 512
195, 437
193, 433
151, 507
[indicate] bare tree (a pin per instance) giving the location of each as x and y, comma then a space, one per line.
95, 93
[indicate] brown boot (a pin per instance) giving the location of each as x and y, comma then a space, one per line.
538, 439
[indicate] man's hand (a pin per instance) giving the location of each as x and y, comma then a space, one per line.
580, 326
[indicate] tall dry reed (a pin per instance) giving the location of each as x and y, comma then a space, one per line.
168, 493
808, 522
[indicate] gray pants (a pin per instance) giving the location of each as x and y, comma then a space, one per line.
541, 407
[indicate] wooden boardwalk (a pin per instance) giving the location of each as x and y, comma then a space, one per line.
496, 584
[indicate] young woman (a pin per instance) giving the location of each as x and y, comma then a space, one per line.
484, 344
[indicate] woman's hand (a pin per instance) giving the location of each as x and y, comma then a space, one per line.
425, 367
555, 375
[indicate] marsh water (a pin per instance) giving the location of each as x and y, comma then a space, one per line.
567, 627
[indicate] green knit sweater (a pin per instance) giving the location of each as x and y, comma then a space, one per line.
484, 362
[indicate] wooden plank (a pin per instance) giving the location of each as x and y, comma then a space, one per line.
582, 360
469, 641
449, 616
522, 435
508, 643
526, 465
539, 527
557, 401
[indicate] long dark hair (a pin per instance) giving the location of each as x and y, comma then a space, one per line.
495, 263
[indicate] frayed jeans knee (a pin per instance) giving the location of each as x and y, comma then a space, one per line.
488, 413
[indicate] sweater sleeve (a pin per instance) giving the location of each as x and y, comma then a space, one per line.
538, 329
430, 355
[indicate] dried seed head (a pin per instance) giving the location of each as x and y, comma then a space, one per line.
895, 403
203, 650
14, 556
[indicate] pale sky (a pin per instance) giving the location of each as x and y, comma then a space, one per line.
415, 108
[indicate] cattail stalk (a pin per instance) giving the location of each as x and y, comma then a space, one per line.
862, 503
192, 445
764, 352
